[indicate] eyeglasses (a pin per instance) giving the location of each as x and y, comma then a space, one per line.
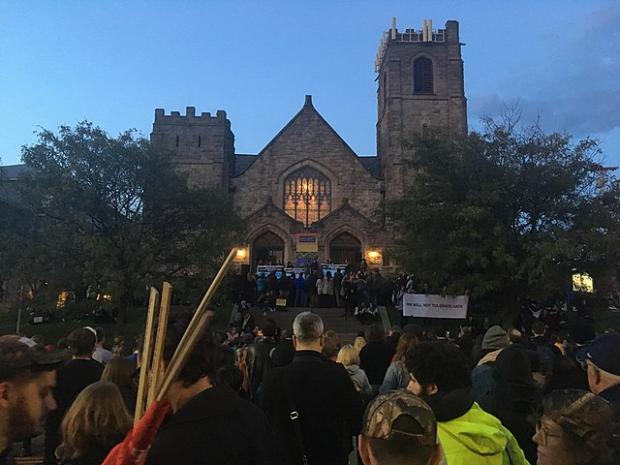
544, 432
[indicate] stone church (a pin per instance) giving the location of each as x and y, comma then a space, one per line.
307, 194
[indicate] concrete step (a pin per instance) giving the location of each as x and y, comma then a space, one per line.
332, 318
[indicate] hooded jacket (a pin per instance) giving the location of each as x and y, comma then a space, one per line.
360, 380
471, 436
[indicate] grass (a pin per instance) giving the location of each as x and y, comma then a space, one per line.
136, 318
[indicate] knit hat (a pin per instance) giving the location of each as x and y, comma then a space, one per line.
495, 338
400, 414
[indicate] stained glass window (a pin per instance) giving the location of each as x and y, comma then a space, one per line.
307, 196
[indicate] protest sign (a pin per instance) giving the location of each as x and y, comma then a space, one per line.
435, 306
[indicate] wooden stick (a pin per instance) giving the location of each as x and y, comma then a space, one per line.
194, 329
145, 356
158, 351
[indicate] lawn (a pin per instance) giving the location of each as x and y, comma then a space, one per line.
136, 316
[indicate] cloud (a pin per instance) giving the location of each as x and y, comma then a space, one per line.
578, 91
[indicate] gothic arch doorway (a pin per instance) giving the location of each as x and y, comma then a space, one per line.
346, 248
267, 249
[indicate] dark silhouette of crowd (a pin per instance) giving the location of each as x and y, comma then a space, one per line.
260, 394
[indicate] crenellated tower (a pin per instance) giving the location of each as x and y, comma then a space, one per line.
203, 145
420, 86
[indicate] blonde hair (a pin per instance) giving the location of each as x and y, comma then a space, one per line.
97, 416
359, 343
348, 355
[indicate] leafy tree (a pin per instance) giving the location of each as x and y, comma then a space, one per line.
507, 214
113, 212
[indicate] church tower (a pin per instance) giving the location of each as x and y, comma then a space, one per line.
421, 86
203, 145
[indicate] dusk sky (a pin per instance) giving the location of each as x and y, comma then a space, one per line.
114, 62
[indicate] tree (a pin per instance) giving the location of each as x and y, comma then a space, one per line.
508, 214
114, 212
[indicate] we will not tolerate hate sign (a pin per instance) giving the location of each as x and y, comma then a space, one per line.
435, 306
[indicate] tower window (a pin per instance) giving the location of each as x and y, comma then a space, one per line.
385, 89
199, 141
176, 141
307, 196
423, 76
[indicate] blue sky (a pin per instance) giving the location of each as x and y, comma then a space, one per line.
114, 62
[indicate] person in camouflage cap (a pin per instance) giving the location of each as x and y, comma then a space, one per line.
27, 377
399, 428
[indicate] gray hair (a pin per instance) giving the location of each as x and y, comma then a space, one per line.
308, 327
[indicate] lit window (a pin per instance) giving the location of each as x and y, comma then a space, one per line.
307, 196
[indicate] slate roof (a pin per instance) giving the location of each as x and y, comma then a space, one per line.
371, 163
12, 172
243, 162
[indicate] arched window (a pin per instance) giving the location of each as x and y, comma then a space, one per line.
423, 76
307, 196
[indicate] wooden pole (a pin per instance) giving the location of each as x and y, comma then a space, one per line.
158, 351
194, 330
147, 352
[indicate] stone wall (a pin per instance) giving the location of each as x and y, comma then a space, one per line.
307, 141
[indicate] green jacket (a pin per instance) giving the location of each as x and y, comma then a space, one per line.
478, 438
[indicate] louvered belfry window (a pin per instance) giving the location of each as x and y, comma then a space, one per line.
423, 76
307, 196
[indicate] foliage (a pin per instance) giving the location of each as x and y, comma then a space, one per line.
112, 214
507, 214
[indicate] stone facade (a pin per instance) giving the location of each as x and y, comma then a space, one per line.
356, 187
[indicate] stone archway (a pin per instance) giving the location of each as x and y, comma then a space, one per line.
268, 249
346, 248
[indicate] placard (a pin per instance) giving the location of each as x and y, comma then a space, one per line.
435, 306
307, 242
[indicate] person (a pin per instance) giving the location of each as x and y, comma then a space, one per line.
121, 372
359, 342
260, 360
393, 337
96, 421
71, 379
350, 359
397, 376
515, 398
544, 349
101, 354
331, 345
300, 291
399, 429
603, 366
577, 428
209, 423
440, 374
375, 357
483, 380
284, 352
311, 403
27, 378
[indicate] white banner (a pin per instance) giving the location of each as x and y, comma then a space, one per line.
435, 306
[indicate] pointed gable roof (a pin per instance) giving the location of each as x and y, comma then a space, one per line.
308, 108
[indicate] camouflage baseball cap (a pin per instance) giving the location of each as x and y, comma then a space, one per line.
19, 354
403, 414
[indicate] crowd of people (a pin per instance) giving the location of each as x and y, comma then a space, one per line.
359, 292
262, 394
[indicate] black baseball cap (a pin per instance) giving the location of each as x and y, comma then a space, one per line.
604, 352
19, 355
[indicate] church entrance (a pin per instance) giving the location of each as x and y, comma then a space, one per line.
267, 249
346, 248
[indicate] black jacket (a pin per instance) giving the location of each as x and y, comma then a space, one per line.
71, 379
215, 427
375, 358
330, 409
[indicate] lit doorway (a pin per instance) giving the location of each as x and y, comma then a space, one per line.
267, 249
346, 248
